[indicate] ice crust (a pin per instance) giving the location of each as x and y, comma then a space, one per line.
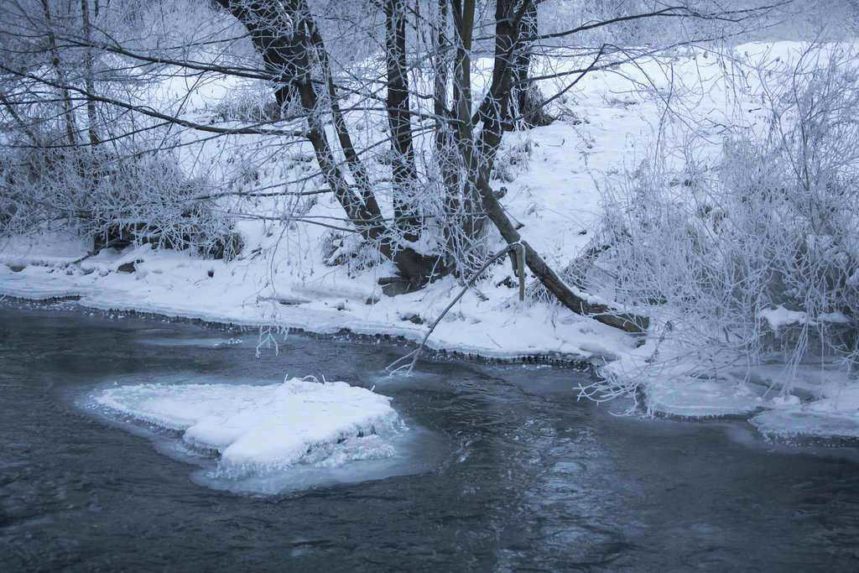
697, 398
799, 423
834, 415
257, 428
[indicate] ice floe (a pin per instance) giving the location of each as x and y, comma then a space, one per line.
832, 416
258, 429
701, 398
805, 423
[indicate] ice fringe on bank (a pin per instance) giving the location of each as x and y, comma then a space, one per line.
264, 428
835, 415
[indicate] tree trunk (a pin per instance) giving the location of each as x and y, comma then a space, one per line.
526, 102
446, 154
405, 172
515, 28
68, 112
463, 22
274, 35
92, 117
356, 166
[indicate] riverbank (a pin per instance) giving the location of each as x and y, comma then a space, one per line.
178, 286
287, 277
808, 416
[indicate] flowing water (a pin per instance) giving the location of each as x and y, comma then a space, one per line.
519, 474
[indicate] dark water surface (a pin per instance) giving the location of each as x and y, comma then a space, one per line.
530, 479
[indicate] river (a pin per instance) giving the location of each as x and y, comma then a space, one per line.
523, 475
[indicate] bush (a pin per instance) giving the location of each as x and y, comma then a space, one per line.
115, 200
757, 259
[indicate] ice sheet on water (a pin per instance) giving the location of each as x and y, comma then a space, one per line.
806, 423
192, 342
698, 397
257, 429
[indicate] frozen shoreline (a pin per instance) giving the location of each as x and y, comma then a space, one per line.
41, 283
826, 419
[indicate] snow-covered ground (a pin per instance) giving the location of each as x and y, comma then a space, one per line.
607, 125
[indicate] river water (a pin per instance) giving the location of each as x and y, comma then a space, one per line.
522, 475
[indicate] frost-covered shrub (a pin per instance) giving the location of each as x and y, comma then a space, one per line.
249, 106
756, 259
512, 160
115, 200
340, 249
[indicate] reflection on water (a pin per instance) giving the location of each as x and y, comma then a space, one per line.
518, 473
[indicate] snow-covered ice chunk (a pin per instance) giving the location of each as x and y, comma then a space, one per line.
799, 423
260, 428
694, 397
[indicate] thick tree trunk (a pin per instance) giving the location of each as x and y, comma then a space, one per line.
271, 32
515, 28
526, 103
508, 16
68, 112
399, 121
92, 117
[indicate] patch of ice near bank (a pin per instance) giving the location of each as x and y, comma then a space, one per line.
799, 423
835, 415
192, 342
263, 428
701, 398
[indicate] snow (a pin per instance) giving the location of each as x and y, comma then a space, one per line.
44, 249
780, 317
264, 428
177, 285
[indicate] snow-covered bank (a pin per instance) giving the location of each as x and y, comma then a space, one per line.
303, 276
178, 285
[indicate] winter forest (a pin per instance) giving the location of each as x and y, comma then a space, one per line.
344, 245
